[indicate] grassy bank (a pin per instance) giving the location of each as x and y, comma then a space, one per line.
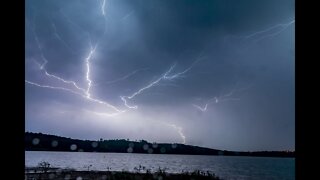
65, 174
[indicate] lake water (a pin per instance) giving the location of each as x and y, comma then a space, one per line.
226, 167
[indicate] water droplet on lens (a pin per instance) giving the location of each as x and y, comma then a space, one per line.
35, 141
145, 147
174, 146
94, 144
54, 143
163, 150
104, 177
51, 176
131, 145
154, 145
130, 150
73, 147
67, 177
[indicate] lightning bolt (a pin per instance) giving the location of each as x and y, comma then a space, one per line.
165, 76
179, 130
55, 33
87, 61
203, 109
124, 77
123, 98
73, 24
127, 15
151, 84
53, 87
35, 36
85, 92
208, 102
88, 79
43, 68
177, 75
104, 114
64, 81
103, 8
222, 98
268, 32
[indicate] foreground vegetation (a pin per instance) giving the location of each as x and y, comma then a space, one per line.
69, 174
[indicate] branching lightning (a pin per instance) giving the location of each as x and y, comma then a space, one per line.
53, 87
222, 98
177, 75
123, 98
165, 76
268, 32
86, 92
122, 78
203, 109
208, 102
55, 33
43, 68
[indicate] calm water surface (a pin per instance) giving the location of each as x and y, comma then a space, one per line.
226, 167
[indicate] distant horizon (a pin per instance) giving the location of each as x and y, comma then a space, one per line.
138, 140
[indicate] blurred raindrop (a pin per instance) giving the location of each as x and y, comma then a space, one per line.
54, 143
163, 150
51, 176
35, 141
131, 145
154, 145
174, 146
130, 150
73, 147
67, 177
94, 144
146, 147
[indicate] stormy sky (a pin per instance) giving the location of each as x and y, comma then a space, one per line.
214, 73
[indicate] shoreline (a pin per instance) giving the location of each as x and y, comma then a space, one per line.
63, 174
224, 155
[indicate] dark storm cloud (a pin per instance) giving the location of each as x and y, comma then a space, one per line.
142, 39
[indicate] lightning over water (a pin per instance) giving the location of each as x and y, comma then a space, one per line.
133, 69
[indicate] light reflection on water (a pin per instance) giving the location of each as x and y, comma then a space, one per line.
228, 167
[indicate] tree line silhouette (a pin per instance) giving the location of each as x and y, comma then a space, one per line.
46, 142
